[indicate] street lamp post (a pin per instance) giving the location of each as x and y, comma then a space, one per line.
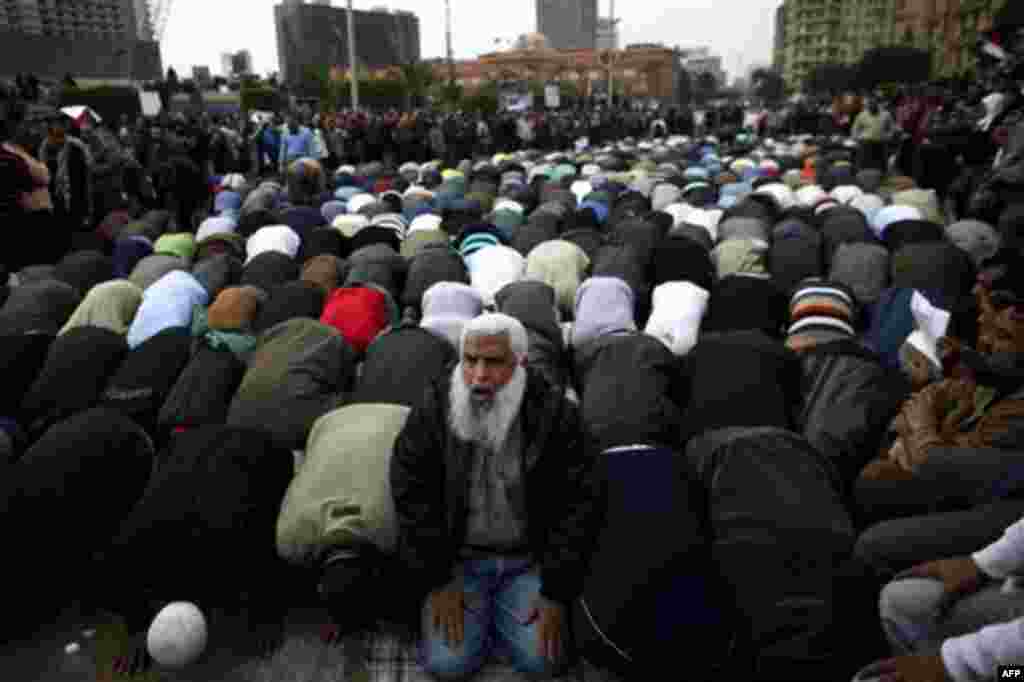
448, 40
352, 57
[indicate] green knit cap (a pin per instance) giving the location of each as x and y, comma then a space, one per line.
181, 244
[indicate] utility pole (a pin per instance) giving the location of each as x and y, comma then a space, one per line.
352, 57
448, 40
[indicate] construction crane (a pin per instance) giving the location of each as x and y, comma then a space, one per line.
159, 13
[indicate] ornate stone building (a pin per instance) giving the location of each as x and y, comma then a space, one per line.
641, 72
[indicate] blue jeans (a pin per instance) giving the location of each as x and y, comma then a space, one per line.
499, 594
909, 612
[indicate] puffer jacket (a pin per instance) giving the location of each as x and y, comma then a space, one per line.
340, 498
429, 480
633, 390
533, 304
847, 400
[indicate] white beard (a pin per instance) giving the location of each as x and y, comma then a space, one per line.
485, 425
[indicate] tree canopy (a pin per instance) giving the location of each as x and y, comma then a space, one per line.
895, 64
768, 85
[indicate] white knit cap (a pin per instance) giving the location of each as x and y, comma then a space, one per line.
425, 221
810, 196
359, 201
782, 194
279, 238
845, 194
349, 224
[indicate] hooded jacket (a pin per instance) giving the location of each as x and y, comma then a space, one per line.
796, 253
400, 364
84, 269
638, 366
429, 480
290, 301
341, 497
847, 400
77, 368
299, 371
40, 307
151, 268
378, 264
533, 304
603, 305
435, 263
269, 270
110, 305
168, 303
561, 265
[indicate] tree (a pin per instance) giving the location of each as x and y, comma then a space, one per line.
173, 83
830, 78
417, 77
897, 64
684, 87
706, 86
768, 85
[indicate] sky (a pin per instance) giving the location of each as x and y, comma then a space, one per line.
740, 31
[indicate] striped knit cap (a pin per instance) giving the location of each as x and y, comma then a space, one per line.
392, 221
822, 310
476, 241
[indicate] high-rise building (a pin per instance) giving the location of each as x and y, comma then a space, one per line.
779, 44
816, 32
101, 39
317, 34
568, 24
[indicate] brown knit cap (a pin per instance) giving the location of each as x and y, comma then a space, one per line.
898, 183
235, 308
726, 178
324, 270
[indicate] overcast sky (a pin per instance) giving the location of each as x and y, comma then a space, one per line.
739, 30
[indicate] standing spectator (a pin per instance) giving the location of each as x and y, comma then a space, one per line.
107, 167
296, 143
268, 145
868, 130
70, 164
25, 201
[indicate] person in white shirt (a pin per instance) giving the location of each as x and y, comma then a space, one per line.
955, 619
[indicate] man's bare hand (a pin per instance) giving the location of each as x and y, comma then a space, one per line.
959, 576
908, 669
448, 609
551, 627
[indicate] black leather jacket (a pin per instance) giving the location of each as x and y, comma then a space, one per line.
429, 483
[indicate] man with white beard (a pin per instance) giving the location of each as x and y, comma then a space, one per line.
497, 503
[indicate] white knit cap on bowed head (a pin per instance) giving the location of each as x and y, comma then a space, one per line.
359, 201
350, 224
426, 221
783, 195
676, 313
893, 214
279, 238
810, 196
845, 194
510, 205
679, 212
